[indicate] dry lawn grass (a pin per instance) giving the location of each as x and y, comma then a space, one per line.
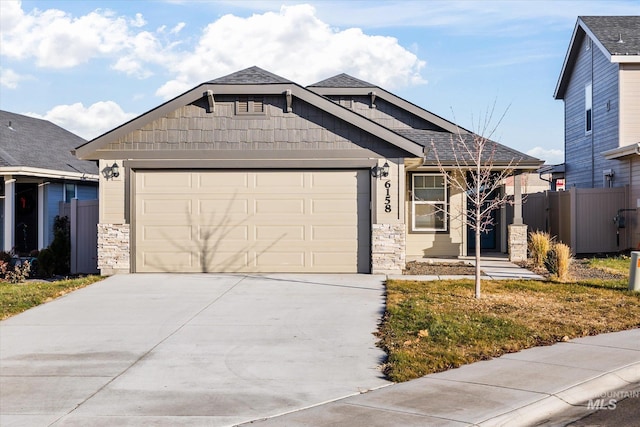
438, 325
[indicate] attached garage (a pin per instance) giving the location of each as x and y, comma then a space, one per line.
251, 221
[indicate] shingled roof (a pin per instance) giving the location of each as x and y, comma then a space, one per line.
617, 37
620, 35
35, 143
252, 75
343, 80
444, 142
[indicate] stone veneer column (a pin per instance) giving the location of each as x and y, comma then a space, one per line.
388, 243
113, 248
517, 242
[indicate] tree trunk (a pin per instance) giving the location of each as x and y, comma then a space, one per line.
477, 293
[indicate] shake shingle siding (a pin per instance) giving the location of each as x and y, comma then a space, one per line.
584, 164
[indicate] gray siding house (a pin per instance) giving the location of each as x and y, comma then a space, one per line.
600, 86
252, 172
38, 172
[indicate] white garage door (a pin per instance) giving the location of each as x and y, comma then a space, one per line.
258, 221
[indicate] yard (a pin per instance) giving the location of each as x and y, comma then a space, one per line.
438, 325
18, 297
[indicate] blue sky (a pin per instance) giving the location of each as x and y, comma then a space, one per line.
88, 66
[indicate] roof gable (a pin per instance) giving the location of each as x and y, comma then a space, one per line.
617, 37
35, 143
251, 81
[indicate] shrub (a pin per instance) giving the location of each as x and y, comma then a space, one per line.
56, 259
558, 260
539, 245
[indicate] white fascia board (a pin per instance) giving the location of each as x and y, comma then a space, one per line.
47, 173
626, 59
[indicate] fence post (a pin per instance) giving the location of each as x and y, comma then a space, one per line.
73, 223
573, 224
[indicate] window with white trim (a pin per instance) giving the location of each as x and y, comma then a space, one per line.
588, 107
428, 202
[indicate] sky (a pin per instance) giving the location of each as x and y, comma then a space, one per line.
89, 66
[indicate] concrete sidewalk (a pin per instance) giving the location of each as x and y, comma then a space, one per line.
493, 268
539, 386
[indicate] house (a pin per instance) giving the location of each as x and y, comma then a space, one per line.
38, 172
600, 86
252, 172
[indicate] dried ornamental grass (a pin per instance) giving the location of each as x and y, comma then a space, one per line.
539, 245
558, 261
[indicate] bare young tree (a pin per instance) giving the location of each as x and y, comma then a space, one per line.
472, 169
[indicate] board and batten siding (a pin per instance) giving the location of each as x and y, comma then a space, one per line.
630, 104
584, 163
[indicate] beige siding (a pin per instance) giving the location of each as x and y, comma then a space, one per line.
238, 221
111, 197
634, 202
629, 104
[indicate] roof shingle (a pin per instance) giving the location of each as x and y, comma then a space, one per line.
620, 35
29, 142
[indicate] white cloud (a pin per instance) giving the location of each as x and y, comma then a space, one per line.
10, 79
87, 122
56, 39
551, 156
295, 44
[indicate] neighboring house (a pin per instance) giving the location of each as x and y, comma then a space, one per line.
38, 172
254, 173
600, 86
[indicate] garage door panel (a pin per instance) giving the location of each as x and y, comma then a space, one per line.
163, 182
286, 260
213, 234
272, 233
222, 206
333, 233
164, 233
252, 221
283, 180
279, 206
211, 181
344, 259
168, 261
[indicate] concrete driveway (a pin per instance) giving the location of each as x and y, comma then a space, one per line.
201, 349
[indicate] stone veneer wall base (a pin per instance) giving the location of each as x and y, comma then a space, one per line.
113, 248
388, 248
517, 242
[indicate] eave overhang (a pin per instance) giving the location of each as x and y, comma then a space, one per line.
620, 152
47, 173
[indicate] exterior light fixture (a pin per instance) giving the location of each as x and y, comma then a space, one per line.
111, 172
380, 171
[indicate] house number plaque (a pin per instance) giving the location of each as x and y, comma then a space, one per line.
387, 197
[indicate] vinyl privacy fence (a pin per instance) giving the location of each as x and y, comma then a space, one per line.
582, 218
83, 220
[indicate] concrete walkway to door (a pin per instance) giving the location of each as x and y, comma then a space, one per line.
197, 349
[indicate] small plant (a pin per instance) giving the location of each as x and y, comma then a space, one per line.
539, 245
558, 260
19, 273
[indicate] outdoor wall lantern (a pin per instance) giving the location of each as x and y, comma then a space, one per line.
380, 172
111, 172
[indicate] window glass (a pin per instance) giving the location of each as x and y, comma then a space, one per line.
428, 204
69, 192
